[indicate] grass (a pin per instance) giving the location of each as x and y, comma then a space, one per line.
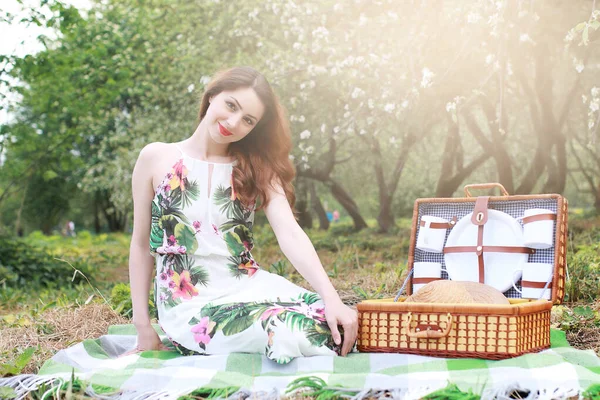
360, 265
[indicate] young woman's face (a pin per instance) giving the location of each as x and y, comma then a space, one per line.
231, 115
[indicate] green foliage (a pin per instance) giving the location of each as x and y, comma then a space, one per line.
592, 393
451, 392
22, 265
279, 267
572, 320
584, 274
7, 393
206, 393
316, 388
366, 295
120, 300
19, 363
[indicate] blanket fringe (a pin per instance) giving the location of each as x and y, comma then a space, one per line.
314, 387
510, 392
24, 384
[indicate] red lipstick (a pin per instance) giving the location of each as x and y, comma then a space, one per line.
224, 131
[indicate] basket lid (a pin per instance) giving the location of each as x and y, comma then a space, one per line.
453, 209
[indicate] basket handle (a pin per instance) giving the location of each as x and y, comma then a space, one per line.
485, 186
431, 332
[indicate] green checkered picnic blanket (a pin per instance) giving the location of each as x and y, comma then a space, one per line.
559, 372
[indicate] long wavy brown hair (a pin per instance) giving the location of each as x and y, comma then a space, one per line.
263, 155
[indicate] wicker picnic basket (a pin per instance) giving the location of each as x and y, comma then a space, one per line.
488, 331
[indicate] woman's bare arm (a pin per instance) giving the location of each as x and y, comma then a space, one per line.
297, 247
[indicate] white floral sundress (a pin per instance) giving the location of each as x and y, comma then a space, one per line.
211, 296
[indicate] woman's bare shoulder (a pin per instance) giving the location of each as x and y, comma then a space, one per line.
155, 151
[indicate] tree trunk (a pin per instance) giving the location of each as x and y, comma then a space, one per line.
18, 227
349, 205
318, 207
597, 200
114, 218
96, 214
385, 219
453, 171
302, 211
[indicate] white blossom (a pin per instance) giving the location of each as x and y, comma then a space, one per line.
489, 58
291, 157
570, 36
323, 128
389, 107
336, 129
357, 92
301, 119
427, 77
450, 106
371, 104
525, 38
578, 64
405, 104
204, 80
305, 134
320, 33
595, 91
347, 114
591, 123
584, 98
362, 132
190, 88
310, 150
296, 46
392, 15
362, 20
595, 105
473, 17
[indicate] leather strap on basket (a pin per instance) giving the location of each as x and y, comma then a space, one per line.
535, 285
489, 249
441, 225
479, 218
539, 217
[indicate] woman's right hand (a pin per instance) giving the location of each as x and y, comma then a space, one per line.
147, 339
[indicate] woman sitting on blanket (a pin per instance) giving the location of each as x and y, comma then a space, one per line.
194, 202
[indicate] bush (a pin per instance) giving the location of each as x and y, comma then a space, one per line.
584, 274
120, 299
23, 265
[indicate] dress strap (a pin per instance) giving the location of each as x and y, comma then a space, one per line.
179, 148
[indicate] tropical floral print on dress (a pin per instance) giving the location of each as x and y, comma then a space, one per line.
211, 294
178, 274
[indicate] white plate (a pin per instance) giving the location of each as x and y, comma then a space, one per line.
500, 268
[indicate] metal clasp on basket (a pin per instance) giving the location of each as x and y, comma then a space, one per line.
479, 217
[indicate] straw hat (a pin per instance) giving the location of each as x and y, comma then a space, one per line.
446, 291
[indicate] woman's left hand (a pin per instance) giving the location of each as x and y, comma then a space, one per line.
337, 313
